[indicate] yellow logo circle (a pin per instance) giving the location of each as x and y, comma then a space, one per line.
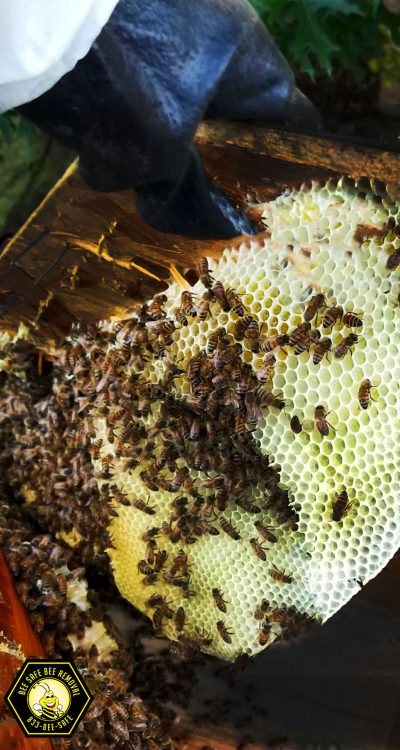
49, 699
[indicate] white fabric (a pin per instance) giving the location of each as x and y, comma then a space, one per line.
41, 40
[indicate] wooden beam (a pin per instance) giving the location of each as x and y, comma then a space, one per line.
334, 154
17, 643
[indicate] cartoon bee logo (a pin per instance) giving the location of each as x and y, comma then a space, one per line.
48, 697
49, 706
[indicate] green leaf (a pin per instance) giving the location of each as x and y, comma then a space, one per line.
326, 35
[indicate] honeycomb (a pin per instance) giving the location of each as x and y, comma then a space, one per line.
298, 490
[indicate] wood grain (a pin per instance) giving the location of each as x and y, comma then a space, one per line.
17, 643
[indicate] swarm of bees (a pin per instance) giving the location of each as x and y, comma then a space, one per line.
166, 417
210, 430
117, 714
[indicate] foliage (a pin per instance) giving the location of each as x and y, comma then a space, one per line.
329, 35
13, 126
388, 63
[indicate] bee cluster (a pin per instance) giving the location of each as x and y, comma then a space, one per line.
50, 576
117, 716
293, 623
192, 441
207, 432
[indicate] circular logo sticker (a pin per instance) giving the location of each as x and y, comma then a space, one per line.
49, 700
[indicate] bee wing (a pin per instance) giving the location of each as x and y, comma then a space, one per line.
38, 707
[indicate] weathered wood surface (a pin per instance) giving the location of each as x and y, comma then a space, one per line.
333, 154
83, 255
17, 643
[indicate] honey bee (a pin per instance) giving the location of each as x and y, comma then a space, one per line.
150, 551
263, 638
224, 632
140, 335
181, 477
219, 382
266, 370
119, 449
96, 447
106, 461
158, 616
144, 507
145, 568
265, 532
219, 600
321, 349
62, 584
273, 342
204, 306
332, 316
233, 356
302, 337
195, 429
174, 535
155, 600
150, 534
213, 341
341, 506
181, 561
208, 508
159, 351
163, 328
179, 619
247, 505
229, 529
280, 576
181, 582
290, 517
222, 497
279, 614
154, 309
180, 316
241, 327
220, 296
261, 610
187, 304
194, 368
364, 393
313, 307
295, 425
207, 528
345, 345
235, 302
160, 558
204, 273
240, 425
186, 647
351, 320
393, 260
253, 335
258, 549
180, 506
320, 420
268, 398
